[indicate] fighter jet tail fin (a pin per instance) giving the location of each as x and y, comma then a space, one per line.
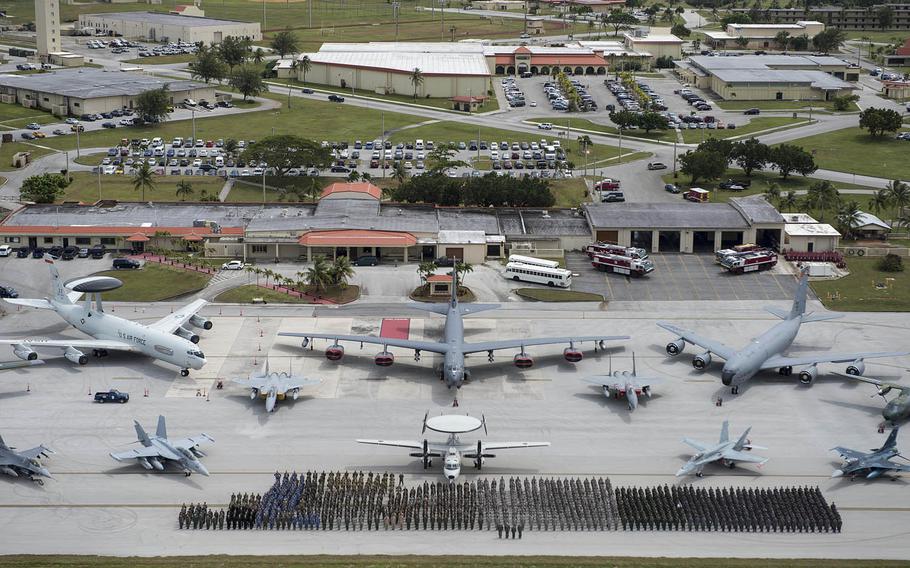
161, 431
725, 432
891, 441
743, 440
140, 433
3, 444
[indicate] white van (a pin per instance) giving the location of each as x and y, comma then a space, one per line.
545, 126
219, 162
418, 144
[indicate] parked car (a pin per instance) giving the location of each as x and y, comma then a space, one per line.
108, 125
98, 251
445, 261
232, 265
33, 126
306, 91
112, 395
671, 188
657, 166
8, 292
23, 252
367, 260
5, 250
125, 264
83, 253
69, 253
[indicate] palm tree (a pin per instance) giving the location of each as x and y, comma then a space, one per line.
259, 55
880, 201
848, 217
789, 201
317, 275
293, 71
304, 65
899, 196
772, 194
230, 146
144, 179
416, 79
252, 270
461, 269
822, 196
425, 270
341, 271
399, 173
184, 188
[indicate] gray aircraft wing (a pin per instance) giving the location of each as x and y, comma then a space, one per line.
513, 343
146, 452
620, 381
431, 346
777, 361
470, 450
882, 463
36, 452
193, 441
695, 444
875, 382
736, 455
436, 450
171, 322
285, 383
715, 347
847, 453
75, 343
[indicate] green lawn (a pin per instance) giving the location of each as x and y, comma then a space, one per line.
154, 283
414, 561
569, 192
313, 119
858, 291
245, 295
761, 181
17, 116
451, 131
548, 295
120, 187
162, 59
892, 36
854, 150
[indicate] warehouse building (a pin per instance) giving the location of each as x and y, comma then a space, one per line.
158, 26
760, 36
657, 43
448, 69
73, 92
686, 227
770, 77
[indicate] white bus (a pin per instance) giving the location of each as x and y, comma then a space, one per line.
518, 259
553, 277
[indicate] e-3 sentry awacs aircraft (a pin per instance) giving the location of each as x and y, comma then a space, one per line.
165, 340
453, 347
767, 350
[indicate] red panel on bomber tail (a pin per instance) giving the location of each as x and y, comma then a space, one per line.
395, 328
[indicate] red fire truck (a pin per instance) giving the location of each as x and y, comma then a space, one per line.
599, 248
750, 261
622, 264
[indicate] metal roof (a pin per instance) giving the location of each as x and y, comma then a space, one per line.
811, 230
671, 215
864, 219
712, 63
94, 83
164, 18
405, 62
756, 209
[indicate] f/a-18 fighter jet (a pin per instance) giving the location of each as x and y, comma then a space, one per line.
157, 450
726, 451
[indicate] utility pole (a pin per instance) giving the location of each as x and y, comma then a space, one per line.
193, 114
77, 126
382, 150
675, 138
263, 15
442, 12
310, 10
620, 144
396, 9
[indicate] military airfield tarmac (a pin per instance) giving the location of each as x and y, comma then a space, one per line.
95, 505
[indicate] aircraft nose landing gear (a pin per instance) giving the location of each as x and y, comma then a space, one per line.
184, 372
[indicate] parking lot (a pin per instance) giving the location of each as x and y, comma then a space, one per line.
681, 277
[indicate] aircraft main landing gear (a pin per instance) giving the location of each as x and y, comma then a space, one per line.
40, 482
785, 371
184, 372
99, 352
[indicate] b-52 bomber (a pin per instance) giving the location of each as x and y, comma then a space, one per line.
767, 350
873, 464
897, 409
453, 347
158, 448
165, 340
274, 386
726, 451
24, 463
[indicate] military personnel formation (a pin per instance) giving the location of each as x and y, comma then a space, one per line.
687, 508
357, 501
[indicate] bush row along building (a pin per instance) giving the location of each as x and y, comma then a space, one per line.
350, 220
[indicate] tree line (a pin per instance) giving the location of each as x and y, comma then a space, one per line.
486, 191
712, 157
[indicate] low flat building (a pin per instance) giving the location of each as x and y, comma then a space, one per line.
900, 57
160, 26
655, 43
542, 60
72, 92
760, 36
686, 227
769, 77
500, 5
869, 226
595, 6
859, 17
810, 237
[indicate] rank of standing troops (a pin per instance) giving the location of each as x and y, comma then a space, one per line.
366, 501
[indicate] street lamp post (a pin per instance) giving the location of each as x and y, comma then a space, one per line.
77, 126
193, 114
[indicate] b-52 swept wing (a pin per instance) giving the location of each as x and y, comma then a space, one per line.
767, 350
454, 347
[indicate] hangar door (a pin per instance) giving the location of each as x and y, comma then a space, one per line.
608, 236
455, 252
